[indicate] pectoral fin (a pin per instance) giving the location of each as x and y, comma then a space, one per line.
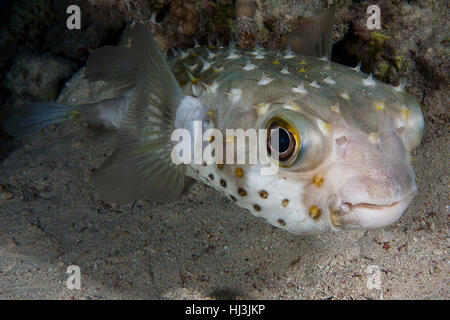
141, 166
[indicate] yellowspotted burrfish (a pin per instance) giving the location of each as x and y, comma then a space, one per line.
344, 139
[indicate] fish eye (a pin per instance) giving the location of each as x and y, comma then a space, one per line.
282, 142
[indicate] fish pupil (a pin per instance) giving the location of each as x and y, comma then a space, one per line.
284, 140
281, 143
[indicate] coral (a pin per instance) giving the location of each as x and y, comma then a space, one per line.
37, 78
74, 44
8, 46
216, 20
185, 13
115, 13
29, 18
410, 45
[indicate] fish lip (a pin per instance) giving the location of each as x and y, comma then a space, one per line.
372, 206
364, 205
339, 217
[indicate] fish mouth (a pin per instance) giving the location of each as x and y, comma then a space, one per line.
368, 215
370, 205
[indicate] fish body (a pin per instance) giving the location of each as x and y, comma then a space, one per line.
354, 167
341, 146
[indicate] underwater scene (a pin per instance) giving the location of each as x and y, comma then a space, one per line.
224, 149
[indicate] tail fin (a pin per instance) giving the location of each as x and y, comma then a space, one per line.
141, 166
32, 117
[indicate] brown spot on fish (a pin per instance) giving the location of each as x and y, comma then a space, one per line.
220, 166
233, 198
223, 183
264, 194
211, 176
242, 192
281, 222
257, 207
285, 202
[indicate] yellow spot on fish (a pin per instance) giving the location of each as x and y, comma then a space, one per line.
194, 80
406, 113
326, 128
303, 62
379, 105
336, 108
239, 172
217, 70
210, 113
318, 180
291, 105
301, 70
315, 212
75, 114
276, 61
211, 139
261, 108
344, 95
374, 137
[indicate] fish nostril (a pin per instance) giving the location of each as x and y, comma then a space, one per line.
400, 130
341, 140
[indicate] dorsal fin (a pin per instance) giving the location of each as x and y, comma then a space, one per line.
313, 37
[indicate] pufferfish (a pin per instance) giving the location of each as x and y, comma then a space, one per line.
344, 142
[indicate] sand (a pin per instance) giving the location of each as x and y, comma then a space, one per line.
202, 246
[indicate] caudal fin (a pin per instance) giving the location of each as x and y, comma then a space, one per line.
32, 117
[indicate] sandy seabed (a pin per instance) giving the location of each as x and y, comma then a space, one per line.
202, 246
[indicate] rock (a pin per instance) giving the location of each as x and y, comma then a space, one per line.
7, 196
186, 14
369, 248
37, 77
74, 44
8, 47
